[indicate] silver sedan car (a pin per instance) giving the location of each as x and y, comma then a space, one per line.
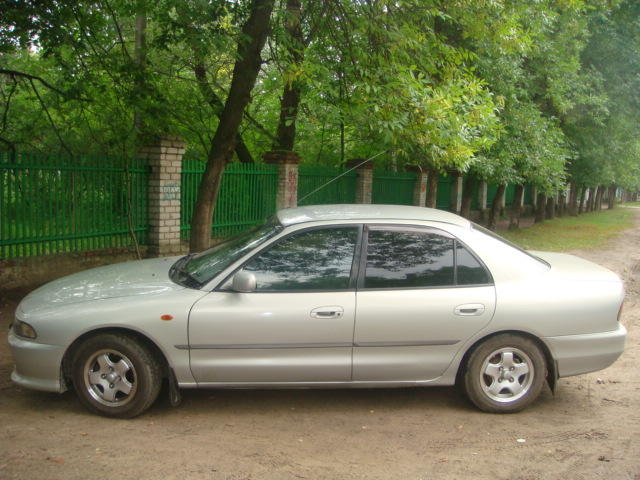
325, 296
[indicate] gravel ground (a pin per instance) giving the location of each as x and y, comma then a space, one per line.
589, 429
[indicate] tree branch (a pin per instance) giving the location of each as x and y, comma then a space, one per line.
118, 29
16, 74
199, 69
5, 114
8, 143
55, 129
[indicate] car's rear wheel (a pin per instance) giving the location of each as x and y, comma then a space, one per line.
505, 374
116, 376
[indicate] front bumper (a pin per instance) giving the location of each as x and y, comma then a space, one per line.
37, 365
577, 354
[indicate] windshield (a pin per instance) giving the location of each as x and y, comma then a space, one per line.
197, 269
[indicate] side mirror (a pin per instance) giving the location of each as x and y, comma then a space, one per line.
243, 282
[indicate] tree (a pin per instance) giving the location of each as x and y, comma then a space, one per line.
245, 72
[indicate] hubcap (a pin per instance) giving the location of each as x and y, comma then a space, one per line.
110, 378
506, 374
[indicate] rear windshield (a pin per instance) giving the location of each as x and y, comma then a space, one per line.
495, 236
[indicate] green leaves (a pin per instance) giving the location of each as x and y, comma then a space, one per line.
515, 91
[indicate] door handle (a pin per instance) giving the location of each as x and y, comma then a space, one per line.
327, 312
469, 309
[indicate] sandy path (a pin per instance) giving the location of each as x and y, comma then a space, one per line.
590, 429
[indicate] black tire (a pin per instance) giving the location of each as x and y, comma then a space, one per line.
505, 374
116, 376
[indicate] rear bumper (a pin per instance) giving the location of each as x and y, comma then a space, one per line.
37, 365
577, 354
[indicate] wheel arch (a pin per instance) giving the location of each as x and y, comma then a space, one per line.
66, 366
552, 370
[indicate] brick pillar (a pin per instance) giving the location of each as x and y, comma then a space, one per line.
287, 196
420, 187
456, 193
165, 161
364, 180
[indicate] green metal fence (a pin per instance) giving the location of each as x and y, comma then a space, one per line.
393, 187
443, 192
491, 194
247, 196
474, 195
528, 195
310, 177
51, 204
509, 194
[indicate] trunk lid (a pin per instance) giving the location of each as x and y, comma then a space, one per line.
574, 268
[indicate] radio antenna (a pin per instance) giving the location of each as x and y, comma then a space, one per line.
342, 174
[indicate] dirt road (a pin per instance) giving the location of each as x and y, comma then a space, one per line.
589, 429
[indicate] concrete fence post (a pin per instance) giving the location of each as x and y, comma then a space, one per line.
482, 196
364, 180
420, 187
164, 156
287, 196
456, 193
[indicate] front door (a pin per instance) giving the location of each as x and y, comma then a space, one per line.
297, 326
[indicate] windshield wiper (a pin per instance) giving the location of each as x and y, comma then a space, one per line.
179, 267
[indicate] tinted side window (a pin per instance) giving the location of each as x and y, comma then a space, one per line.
470, 272
312, 260
408, 259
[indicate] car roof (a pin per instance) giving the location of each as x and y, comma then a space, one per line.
313, 213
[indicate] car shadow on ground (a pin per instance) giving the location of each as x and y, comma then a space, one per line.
252, 402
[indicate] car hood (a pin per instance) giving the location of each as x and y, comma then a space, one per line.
144, 277
570, 267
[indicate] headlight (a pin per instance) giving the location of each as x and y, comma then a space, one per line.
23, 329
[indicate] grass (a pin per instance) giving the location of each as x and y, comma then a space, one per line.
589, 230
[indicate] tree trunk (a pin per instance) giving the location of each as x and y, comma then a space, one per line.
210, 96
494, 213
598, 201
140, 55
581, 195
286, 130
432, 190
593, 191
551, 207
541, 202
516, 208
245, 72
590, 200
612, 197
573, 200
587, 199
467, 195
562, 204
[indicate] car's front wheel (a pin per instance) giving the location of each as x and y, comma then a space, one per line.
505, 374
116, 376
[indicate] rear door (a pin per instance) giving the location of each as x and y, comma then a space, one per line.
421, 293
